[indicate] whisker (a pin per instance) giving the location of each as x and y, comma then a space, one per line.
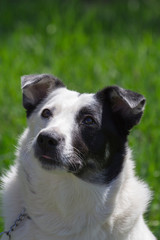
74, 160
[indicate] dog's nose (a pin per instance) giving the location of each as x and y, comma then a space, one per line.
49, 140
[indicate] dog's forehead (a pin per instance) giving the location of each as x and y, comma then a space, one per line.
71, 100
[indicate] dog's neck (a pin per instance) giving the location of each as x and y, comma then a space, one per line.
67, 201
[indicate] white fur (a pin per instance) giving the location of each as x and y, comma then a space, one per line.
63, 207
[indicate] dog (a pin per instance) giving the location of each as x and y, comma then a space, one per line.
74, 175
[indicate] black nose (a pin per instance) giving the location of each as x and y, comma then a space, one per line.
47, 141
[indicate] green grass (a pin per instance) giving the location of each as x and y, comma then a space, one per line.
88, 44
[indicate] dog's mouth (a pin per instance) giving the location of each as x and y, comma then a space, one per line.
47, 157
52, 155
51, 151
48, 162
67, 162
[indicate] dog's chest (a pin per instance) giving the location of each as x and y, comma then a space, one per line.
72, 210
86, 234
32, 232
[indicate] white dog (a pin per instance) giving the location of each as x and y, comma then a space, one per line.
74, 176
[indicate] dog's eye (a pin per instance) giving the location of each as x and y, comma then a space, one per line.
88, 121
46, 113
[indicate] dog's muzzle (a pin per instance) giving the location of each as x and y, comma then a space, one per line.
48, 148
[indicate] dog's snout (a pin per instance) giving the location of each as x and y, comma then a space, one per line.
47, 141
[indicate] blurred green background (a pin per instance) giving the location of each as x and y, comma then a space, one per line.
88, 44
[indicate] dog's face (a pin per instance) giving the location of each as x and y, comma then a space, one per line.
84, 134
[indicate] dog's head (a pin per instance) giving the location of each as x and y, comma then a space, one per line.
85, 134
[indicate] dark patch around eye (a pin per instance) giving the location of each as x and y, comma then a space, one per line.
92, 142
89, 112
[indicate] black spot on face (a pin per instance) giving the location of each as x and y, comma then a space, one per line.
102, 146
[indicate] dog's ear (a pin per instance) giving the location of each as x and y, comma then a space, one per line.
126, 106
36, 87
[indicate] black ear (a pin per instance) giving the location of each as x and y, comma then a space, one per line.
126, 106
36, 87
